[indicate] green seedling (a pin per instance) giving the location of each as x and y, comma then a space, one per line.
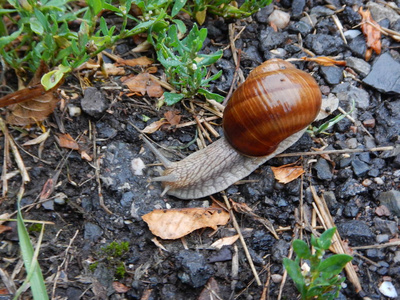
185, 67
320, 277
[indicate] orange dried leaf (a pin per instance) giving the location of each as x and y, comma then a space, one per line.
371, 31
325, 61
66, 141
120, 287
138, 83
112, 69
4, 228
140, 61
287, 173
176, 223
153, 127
173, 117
154, 89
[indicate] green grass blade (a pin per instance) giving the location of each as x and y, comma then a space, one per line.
35, 276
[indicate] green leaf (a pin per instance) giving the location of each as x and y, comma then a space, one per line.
301, 249
36, 26
177, 7
211, 96
209, 59
5, 40
325, 240
172, 98
181, 26
294, 272
42, 19
52, 78
103, 26
334, 264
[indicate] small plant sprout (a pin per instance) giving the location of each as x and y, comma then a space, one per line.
317, 278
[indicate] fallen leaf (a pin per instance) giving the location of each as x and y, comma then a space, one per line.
325, 61
153, 127
112, 69
226, 241
154, 89
66, 141
176, 223
372, 33
173, 117
120, 287
210, 290
287, 173
4, 228
140, 61
38, 140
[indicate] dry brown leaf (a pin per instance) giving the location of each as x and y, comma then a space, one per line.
4, 228
287, 173
154, 89
176, 223
112, 69
226, 241
173, 117
38, 140
140, 61
142, 84
120, 287
325, 61
372, 33
66, 141
210, 290
153, 127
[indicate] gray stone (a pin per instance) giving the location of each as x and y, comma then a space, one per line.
381, 12
270, 39
348, 93
385, 75
396, 258
263, 14
323, 169
94, 103
297, 8
280, 250
385, 226
300, 27
332, 75
321, 11
360, 168
351, 209
391, 200
382, 238
357, 232
359, 65
92, 232
358, 46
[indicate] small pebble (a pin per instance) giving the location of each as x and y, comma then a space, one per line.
370, 123
279, 18
74, 111
277, 278
137, 166
387, 289
367, 182
382, 238
379, 180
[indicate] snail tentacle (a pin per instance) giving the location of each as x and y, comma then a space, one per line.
165, 161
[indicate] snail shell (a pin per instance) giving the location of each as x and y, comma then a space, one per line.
267, 114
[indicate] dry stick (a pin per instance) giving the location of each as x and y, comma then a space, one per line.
17, 156
246, 250
62, 264
378, 246
343, 151
97, 171
284, 276
354, 121
191, 123
337, 244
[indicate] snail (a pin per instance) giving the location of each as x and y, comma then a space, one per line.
268, 113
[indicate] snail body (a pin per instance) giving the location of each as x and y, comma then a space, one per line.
267, 114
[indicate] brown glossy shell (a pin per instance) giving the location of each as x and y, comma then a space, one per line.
276, 101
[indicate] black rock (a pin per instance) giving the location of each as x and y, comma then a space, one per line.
350, 188
357, 232
263, 15
298, 8
324, 44
358, 47
194, 270
385, 75
323, 169
350, 16
94, 103
280, 250
332, 75
375, 254
386, 226
360, 168
300, 27
351, 209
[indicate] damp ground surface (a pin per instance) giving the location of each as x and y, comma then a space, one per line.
94, 251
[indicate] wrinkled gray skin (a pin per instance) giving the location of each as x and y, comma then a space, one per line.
211, 169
